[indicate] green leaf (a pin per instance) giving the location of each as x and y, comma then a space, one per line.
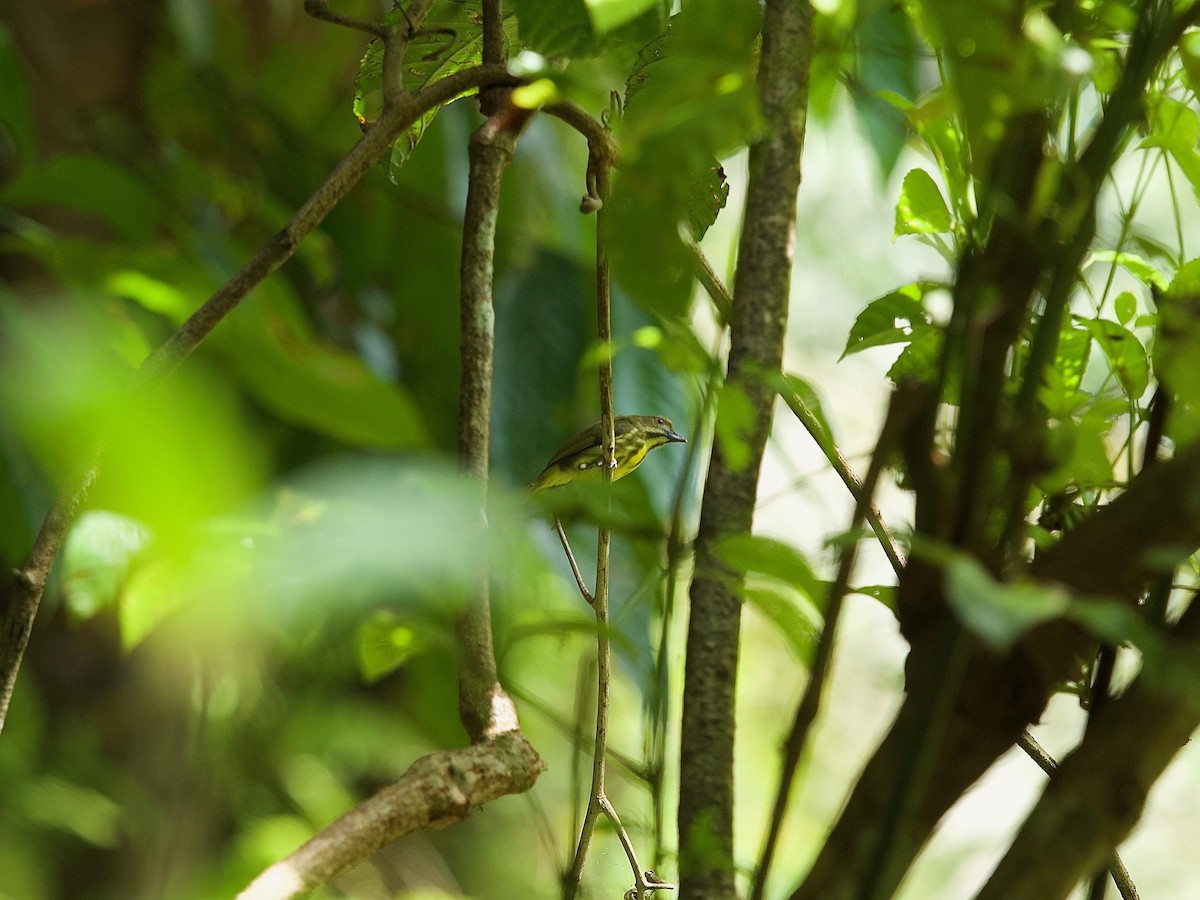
1003, 58
782, 562
450, 40
1189, 56
1138, 267
886, 60
796, 391
609, 14
96, 559
689, 100
919, 360
1071, 359
999, 613
710, 191
938, 125
1116, 622
1079, 452
557, 29
384, 645
271, 346
52, 802
883, 593
921, 209
1125, 305
735, 420
114, 194
1172, 123
1125, 355
1175, 127
891, 319
65, 392
795, 619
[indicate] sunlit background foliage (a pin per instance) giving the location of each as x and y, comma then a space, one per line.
250, 625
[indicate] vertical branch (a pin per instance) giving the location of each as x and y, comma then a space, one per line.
484, 707
1097, 793
491, 100
759, 319
599, 598
598, 802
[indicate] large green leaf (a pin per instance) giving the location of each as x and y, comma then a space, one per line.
1125, 354
745, 553
112, 193
796, 620
450, 40
608, 15
887, 60
584, 28
689, 100
305, 380
96, 559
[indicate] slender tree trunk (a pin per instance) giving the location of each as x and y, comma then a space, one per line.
761, 293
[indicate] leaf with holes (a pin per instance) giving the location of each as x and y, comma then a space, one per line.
450, 40
1124, 352
894, 318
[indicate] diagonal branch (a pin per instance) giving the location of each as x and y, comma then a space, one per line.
1147, 530
437, 791
1097, 793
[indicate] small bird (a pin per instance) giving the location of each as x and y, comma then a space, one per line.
582, 457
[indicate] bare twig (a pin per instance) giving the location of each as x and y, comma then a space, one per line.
319, 9
603, 150
566, 545
841, 465
598, 802
708, 277
1120, 874
900, 413
437, 791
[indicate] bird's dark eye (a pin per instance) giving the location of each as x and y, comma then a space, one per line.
661, 421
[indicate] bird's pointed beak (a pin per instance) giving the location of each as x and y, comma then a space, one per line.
673, 438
